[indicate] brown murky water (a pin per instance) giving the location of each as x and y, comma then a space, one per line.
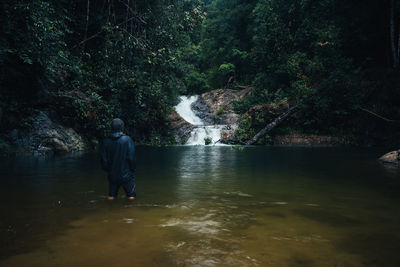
204, 206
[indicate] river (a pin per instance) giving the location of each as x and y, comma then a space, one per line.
204, 206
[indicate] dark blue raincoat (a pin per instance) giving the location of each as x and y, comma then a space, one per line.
118, 157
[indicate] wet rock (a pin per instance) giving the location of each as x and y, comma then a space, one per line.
228, 132
179, 128
392, 158
201, 110
45, 136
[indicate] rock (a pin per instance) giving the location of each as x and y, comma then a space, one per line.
179, 128
391, 157
228, 132
220, 104
201, 110
46, 136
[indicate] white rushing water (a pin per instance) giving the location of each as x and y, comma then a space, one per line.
185, 111
202, 131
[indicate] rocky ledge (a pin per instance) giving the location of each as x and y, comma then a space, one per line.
392, 158
49, 128
46, 136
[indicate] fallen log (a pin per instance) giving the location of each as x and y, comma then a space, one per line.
272, 125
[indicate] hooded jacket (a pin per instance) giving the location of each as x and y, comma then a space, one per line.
118, 157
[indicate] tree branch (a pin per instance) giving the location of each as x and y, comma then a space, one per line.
87, 21
377, 115
97, 34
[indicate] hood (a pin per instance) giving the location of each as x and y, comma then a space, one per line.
116, 135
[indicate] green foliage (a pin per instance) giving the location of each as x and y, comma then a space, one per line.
4, 146
225, 41
245, 131
196, 83
227, 69
303, 51
120, 61
133, 60
220, 111
207, 141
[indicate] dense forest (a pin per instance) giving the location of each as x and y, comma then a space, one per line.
89, 61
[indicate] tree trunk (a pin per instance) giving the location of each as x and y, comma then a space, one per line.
395, 52
87, 22
272, 125
127, 14
398, 42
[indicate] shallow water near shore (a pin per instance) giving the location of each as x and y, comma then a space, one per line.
204, 206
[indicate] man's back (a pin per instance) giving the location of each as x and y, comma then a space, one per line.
119, 160
118, 156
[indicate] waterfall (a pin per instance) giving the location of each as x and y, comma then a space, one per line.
185, 111
201, 131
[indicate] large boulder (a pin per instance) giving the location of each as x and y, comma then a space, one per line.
179, 128
46, 136
391, 158
202, 110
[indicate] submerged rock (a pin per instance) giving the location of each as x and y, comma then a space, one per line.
391, 158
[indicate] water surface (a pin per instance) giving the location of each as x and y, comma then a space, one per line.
204, 206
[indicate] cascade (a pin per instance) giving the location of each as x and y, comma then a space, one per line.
201, 131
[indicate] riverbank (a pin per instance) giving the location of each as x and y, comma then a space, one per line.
46, 130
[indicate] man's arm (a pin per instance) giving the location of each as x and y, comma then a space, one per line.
131, 155
103, 158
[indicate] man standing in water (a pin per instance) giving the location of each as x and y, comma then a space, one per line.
119, 160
